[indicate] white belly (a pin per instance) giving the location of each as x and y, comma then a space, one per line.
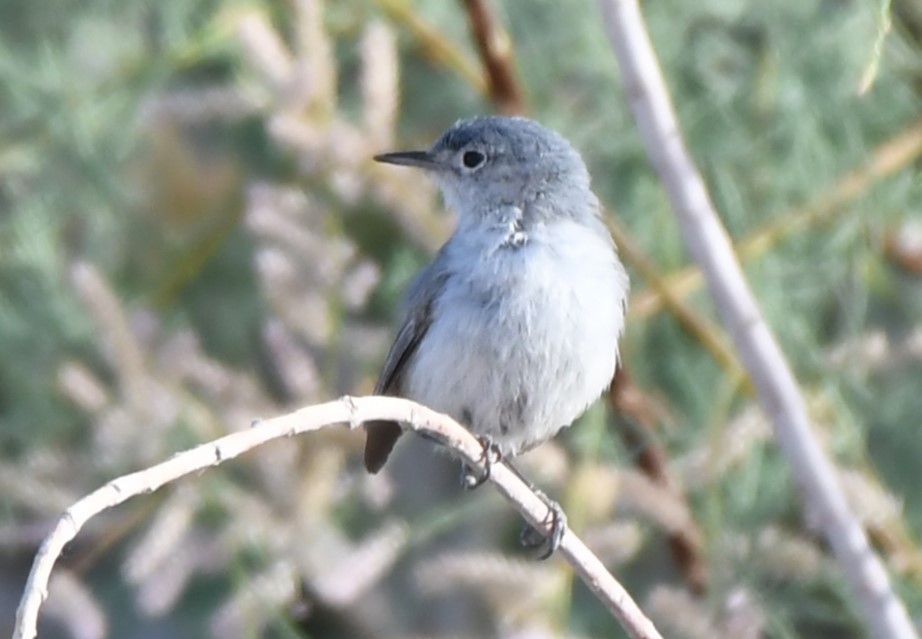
524, 338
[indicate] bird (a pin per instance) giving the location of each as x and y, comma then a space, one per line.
513, 328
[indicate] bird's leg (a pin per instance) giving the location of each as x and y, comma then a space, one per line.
531, 538
491, 455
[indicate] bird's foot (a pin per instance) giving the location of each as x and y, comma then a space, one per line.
491, 455
535, 540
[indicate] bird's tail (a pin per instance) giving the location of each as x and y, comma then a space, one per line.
379, 442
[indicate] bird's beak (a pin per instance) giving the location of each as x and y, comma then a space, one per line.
421, 159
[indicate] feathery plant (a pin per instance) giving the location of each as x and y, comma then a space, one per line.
192, 235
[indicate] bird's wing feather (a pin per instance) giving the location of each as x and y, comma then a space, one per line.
383, 435
408, 338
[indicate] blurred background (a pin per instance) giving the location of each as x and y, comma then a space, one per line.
193, 235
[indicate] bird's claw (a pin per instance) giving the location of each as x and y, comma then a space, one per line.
535, 540
490, 455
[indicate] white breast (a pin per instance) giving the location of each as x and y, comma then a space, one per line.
524, 336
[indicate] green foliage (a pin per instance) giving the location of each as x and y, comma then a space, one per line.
114, 153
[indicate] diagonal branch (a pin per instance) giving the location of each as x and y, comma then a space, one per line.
496, 54
637, 432
433, 44
353, 411
761, 356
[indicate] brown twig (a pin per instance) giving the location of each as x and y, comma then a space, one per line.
903, 247
353, 411
638, 435
496, 55
630, 402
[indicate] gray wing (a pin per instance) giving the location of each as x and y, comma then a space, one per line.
408, 338
382, 435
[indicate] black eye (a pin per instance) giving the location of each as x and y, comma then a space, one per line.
472, 159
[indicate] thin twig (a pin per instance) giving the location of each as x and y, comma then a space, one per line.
651, 458
710, 246
434, 45
354, 411
692, 321
496, 55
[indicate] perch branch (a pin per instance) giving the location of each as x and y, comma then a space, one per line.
761, 356
352, 411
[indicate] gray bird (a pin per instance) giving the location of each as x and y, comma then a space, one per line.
513, 328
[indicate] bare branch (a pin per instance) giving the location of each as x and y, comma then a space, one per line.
352, 411
495, 50
639, 414
771, 376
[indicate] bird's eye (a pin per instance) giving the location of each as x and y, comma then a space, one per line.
472, 159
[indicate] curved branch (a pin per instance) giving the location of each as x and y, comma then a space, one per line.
775, 385
353, 411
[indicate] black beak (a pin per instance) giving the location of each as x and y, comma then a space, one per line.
421, 159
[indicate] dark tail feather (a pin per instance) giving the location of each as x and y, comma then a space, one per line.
379, 442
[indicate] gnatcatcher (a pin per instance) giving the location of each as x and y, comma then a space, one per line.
513, 328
